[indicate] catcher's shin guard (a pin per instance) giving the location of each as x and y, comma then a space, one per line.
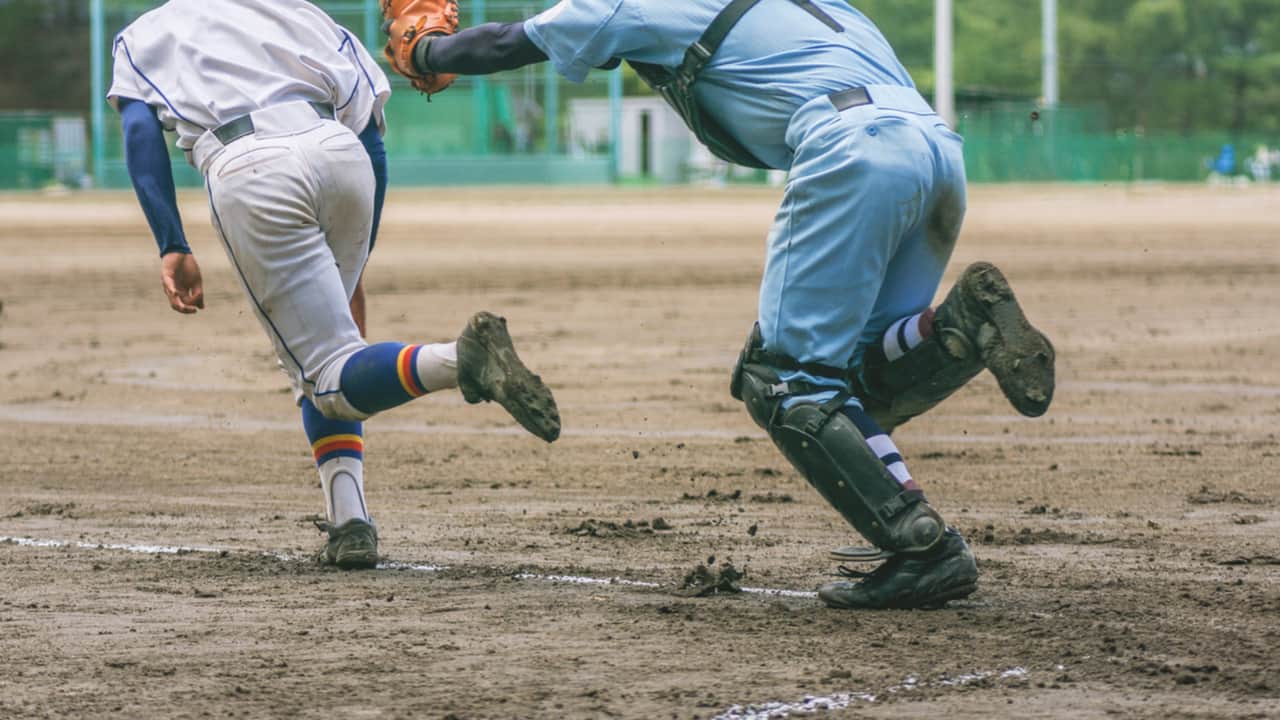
979, 325
826, 447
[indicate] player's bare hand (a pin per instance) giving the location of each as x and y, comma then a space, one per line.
180, 275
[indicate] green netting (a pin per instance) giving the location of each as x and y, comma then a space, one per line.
1016, 143
26, 157
39, 150
515, 127
509, 128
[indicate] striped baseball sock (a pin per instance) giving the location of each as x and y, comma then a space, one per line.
905, 334
882, 445
389, 374
338, 446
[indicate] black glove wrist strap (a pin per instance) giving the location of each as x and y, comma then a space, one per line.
420, 62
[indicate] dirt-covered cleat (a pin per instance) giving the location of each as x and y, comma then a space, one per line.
351, 546
926, 580
490, 370
1019, 355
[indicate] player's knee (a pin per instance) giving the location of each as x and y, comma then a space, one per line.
327, 394
334, 406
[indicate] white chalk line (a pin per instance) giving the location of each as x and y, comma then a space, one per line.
767, 710
388, 565
838, 701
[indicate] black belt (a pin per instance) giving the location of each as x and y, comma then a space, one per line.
243, 125
851, 98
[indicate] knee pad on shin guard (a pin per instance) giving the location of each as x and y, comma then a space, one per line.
979, 325
894, 392
826, 447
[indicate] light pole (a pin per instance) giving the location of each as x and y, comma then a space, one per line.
1049, 52
944, 93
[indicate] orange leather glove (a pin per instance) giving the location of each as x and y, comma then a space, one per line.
409, 22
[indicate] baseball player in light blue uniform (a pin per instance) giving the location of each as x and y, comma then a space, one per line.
846, 347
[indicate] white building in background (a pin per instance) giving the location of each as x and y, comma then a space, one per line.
655, 144
654, 141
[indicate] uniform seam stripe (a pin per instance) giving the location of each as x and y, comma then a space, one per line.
129, 56
235, 261
359, 64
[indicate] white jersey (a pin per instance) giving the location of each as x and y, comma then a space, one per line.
203, 63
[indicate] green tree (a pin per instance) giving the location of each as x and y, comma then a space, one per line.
44, 50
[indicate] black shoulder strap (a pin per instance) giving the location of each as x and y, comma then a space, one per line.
814, 10
699, 53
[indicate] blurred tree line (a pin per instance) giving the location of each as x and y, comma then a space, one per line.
1178, 65
44, 53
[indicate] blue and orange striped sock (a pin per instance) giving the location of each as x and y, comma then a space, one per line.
389, 374
338, 447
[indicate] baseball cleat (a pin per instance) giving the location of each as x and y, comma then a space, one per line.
490, 370
1019, 356
351, 546
907, 580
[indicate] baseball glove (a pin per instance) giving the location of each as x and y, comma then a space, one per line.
409, 22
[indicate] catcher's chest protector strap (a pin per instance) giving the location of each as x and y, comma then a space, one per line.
677, 88
826, 447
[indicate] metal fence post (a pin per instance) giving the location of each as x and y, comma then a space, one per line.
480, 92
97, 118
615, 123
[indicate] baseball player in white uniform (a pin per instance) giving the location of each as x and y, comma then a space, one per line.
281, 109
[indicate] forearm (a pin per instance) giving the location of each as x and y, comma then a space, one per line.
371, 137
480, 50
147, 158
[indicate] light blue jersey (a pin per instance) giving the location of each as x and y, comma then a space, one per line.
876, 190
775, 59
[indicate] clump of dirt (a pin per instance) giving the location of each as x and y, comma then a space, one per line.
989, 535
1252, 560
627, 529
45, 509
1055, 511
1174, 451
1209, 496
770, 497
703, 581
1247, 519
714, 495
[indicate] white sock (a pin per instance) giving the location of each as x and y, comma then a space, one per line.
438, 366
342, 480
904, 335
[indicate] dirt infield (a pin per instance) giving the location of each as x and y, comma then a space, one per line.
157, 487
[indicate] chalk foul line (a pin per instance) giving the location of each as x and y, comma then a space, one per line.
766, 710
387, 565
838, 701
